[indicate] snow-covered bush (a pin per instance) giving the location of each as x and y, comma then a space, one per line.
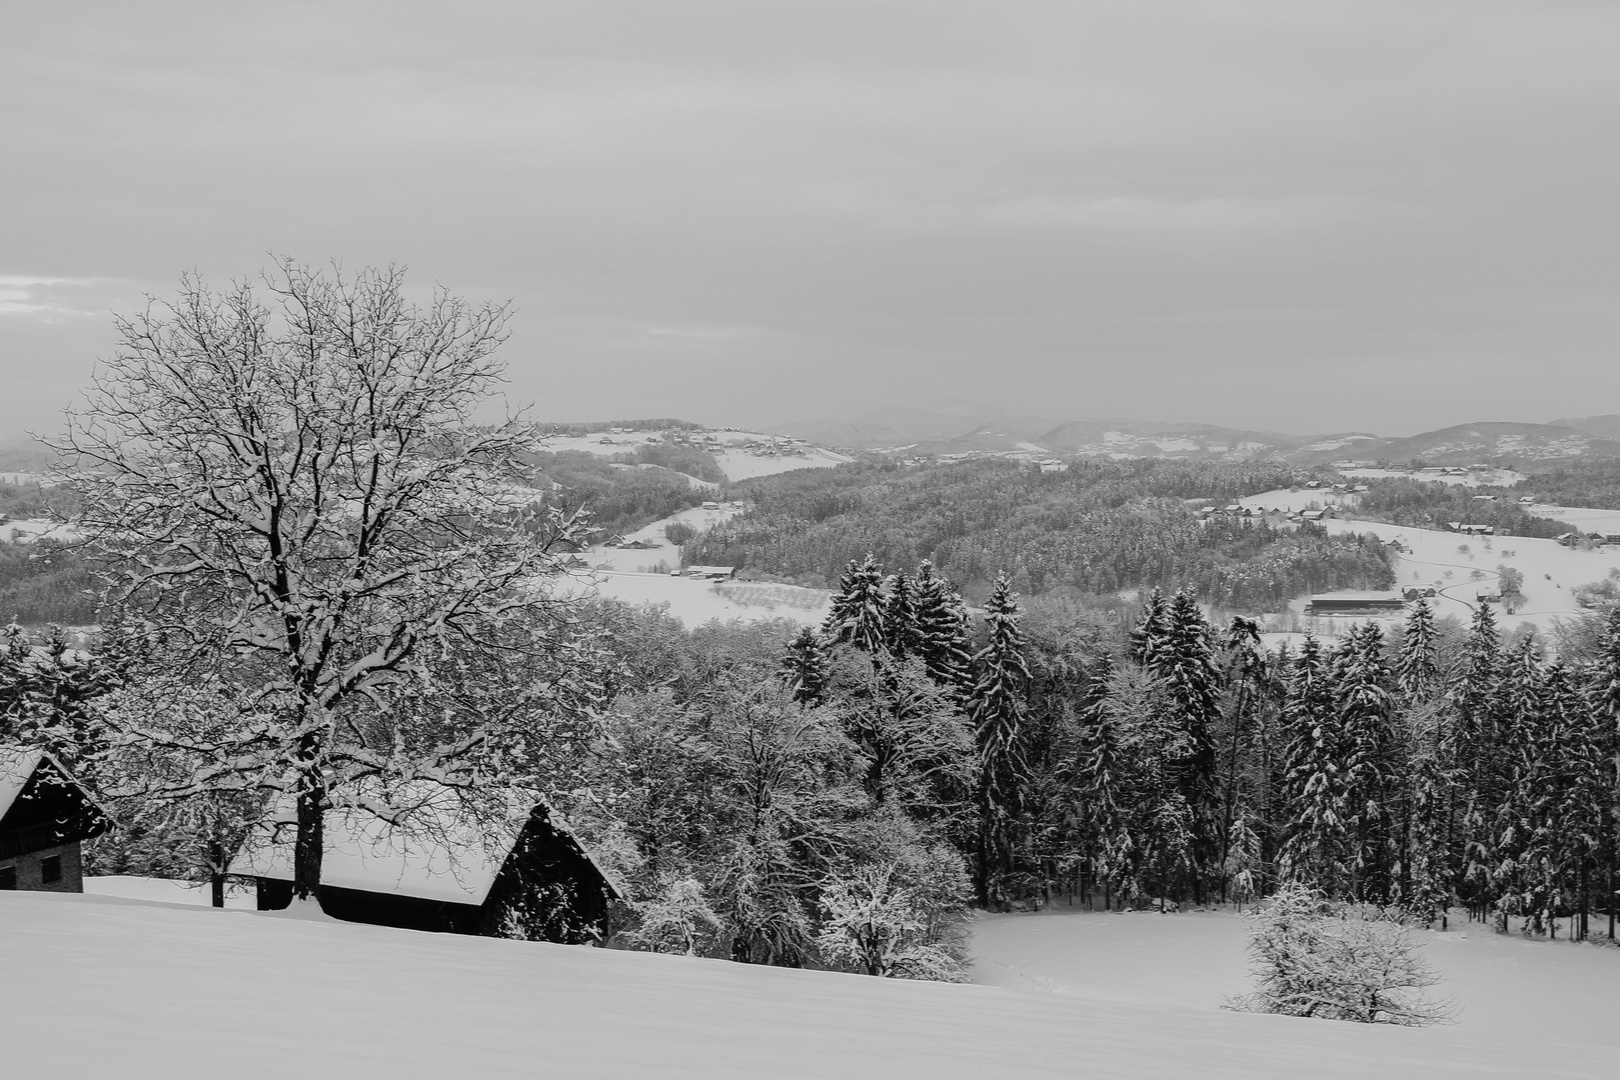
897, 919
678, 920
1311, 957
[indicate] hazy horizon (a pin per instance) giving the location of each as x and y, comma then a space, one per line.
1285, 216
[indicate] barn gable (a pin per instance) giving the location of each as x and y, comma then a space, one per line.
44, 816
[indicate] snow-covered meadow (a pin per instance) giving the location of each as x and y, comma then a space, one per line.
100, 986
1450, 561
741, 455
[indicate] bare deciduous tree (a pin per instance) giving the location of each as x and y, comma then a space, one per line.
294, 478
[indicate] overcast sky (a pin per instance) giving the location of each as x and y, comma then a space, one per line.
1305, 217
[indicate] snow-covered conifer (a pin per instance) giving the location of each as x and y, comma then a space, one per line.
804, 668
857, 614
1315, 804
942, 630
997, 709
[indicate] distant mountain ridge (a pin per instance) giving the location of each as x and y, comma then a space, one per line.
954, 428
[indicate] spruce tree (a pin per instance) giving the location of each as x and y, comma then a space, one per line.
1149, 630
1472, 726
804, 668
1603, 693
1368, 763
1418, 666
1428, 890
1184, 662
1099, 787
1244, 673
1562, 806
1316, 830
857, 615
996, 708
902, 635
1506, 787
942, 639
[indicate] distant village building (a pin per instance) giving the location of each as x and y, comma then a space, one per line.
45, 815
1354, 606
712, 573
445, 874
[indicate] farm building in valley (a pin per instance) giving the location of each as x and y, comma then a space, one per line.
44, 816
712, 573
1354, 606
440, 870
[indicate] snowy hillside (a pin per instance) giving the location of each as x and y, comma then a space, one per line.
739, 454
1547, 992
98, 987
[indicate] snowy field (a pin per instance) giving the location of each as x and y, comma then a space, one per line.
1291, 501
95, 986
614, 558
168, 892
1583, 518
28, 530
696, 602
632, 576
1546, 993
1550, 570
737, 461
1498, 477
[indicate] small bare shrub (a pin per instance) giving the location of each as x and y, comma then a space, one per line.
1310, 957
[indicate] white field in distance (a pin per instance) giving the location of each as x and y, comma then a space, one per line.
643, 576
741, 455
1550, 570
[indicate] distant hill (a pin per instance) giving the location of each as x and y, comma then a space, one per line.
20, 453
1522, 443
1604, 427
1137, 438
965, 427
890, 427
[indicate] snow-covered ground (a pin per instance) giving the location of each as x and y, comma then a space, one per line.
1550, 570
632, 575
1584, 518
1286, 499
1449, 561
27, 530
1539, 992
99, 986
696, 602
740, 454
1498, 477
168, 892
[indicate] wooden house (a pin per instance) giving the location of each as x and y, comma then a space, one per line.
442, 872
45, 815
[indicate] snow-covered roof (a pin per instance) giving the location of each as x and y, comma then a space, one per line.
17, 764
439, 854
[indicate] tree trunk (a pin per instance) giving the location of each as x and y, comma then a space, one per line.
310, 840
216, 874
